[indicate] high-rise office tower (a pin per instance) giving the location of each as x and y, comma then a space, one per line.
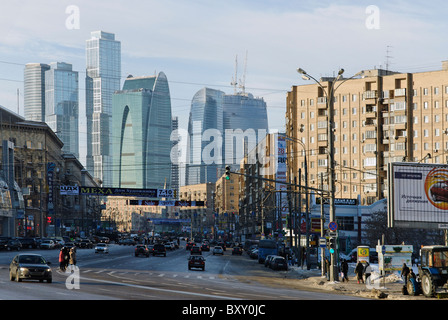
245, 124
204, 152
175, 154
62, 104
141, 130
34, 91
103, 72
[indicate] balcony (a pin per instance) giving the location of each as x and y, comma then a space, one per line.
371, 94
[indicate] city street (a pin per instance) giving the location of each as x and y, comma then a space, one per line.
121, 275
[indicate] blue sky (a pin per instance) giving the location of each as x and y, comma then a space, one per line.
195, 42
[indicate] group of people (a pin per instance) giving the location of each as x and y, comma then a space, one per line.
67, 258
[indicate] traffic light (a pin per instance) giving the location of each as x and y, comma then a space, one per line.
49, 220
332, 244
227, 172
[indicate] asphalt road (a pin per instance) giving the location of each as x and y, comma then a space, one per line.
120, 275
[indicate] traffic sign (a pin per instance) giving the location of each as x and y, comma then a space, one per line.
322, 242
333, 226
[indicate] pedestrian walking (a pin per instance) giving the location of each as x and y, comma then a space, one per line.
72, 259
61, 260
367, 272
344, 270
405, 273
359, 270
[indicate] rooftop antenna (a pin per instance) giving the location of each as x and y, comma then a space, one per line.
234, 82
243, 82
387, 58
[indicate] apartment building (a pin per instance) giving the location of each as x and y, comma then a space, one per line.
380, 117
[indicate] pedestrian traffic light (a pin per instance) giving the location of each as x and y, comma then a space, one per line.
49, 220
227, 172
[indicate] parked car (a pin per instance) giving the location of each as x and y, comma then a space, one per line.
102, 247
141, 249
196, 262
218, 250
254, 254
268, 259
278, 263
30, 266
237, 250
47, 244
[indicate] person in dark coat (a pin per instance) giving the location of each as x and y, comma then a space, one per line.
405, 272
344, 269
359, 270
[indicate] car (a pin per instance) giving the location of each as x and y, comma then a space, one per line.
104, 240
86, 244
268, 259
254, 254
218, 250
13, 244
222, 245
168, 246
141, 249
102, 247
195, 261
30, 266
278, 263
237, 250
205, 247
159, 249
47, 244
127, 242
29, 243
189, 245
70, 245
196, 250
439, 191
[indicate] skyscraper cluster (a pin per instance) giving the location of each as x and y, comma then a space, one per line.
130, 141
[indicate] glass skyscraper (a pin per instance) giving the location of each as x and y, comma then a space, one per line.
221, 130
34, 91
103, 72
62, 104
141, 130
204, 157
245, 124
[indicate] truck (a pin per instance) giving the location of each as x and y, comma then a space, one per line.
432, 272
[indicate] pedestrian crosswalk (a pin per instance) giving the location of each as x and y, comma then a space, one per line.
154, 275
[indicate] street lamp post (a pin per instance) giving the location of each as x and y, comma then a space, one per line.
307, 225
331, 162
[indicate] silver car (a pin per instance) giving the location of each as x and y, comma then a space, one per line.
102, 247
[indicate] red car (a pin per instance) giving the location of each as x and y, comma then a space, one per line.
439, 191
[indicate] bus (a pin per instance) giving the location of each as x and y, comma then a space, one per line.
266, 247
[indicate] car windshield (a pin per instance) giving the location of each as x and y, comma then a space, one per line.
32, 259
101, 245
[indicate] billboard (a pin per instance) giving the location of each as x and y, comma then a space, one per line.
418, 195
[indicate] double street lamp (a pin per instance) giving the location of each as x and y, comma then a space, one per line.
331, 162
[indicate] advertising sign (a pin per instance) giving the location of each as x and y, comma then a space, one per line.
418, 195
363, 254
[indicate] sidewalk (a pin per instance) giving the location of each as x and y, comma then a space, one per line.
381, 288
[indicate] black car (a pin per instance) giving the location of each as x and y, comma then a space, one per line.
85, 244
30, 266
278, 263
30, 243
237, 250
13, 244
159, 249
195, 250
196, 262
141, 249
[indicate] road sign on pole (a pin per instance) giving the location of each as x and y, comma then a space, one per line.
333, 226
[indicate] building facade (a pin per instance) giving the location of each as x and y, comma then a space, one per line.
380, 118
103, 74
141, 131
62, 104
